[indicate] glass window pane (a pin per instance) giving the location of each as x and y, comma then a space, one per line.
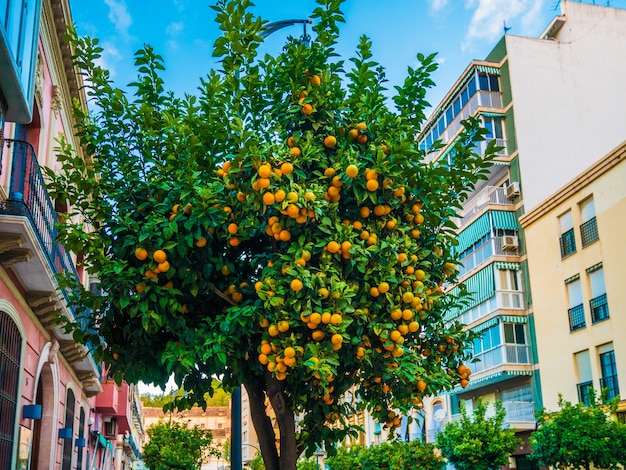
483, 81
471, 87
509, 336
520, 335
493, 83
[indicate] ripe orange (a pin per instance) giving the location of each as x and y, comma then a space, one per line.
315, 80
335, 319
283, 326
295, 152
201, 242
407, 297
279, 196
396, 314
296, 285
362, 139
326, 316
268, 199
289, 352
273, 330
315, 318
263, 183
164, 266
234, 241
374, 292
332, 247
361, 126
323, 292
414, 326
352, 171
159, 256
336, 339
330, 141
140, 287
291, 142
353, 134
383, 287
318, 335
307, 109
265, 170
233, 228
372, 185
345, 247
365, 212
141, 254
286, 168
284, 235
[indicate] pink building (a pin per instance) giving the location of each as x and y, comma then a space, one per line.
51, 414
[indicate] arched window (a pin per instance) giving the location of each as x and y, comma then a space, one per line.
68, 446
10, 354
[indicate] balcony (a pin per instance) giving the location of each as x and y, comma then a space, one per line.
589, 232
490, 195
584, 392
28, 247
609, 387
576, 317
519, 414
567, 243
481, 99
114, 401
503, 299
599, 308
492, 247
503, 354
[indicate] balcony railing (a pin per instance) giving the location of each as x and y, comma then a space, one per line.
489, 195
610, 386
503, 354
518, 411
576, 317
568, 243
28, 197
589, 232
504, 299
599, 308
491, 247
584, 392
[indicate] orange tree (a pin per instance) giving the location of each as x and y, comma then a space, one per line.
280, 230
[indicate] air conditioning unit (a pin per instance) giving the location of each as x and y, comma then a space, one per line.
509, 242
512, 190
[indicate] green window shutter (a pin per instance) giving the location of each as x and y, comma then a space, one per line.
480, 287
473, 232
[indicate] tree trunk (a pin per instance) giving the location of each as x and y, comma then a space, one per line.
263, 426
286, 423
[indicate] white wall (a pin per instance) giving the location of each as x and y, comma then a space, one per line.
569, 97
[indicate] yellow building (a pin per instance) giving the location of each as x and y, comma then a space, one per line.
576, 259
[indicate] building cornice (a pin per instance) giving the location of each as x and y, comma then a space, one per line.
611, 160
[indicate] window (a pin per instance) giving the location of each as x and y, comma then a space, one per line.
515, 339
567, 240
585, 378
514, 333
493, 124
68, 447
588, 227
576, 312
608, 369
488, 82
598, 304
509, 279
10, 355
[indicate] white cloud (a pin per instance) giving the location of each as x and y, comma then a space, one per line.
119, 16
179, 4
489, 18
436, 5
173, 29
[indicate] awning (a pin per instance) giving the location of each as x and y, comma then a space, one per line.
487, 69
507, 266
480, 287
472, 233
484, 326
595, 267
573, 278
504, 220
513, 319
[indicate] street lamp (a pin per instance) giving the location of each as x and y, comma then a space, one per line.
270, 28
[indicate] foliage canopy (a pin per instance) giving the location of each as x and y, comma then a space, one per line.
175, 445
579, 436
280, 230
478, 441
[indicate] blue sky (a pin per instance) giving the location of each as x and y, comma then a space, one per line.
183, 31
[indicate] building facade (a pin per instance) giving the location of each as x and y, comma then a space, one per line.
576, 256
49, 415
539, 99
216, 419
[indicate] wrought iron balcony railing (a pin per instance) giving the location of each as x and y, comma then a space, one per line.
609, 386
576, 317
567, 243
599, 308
589, 232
